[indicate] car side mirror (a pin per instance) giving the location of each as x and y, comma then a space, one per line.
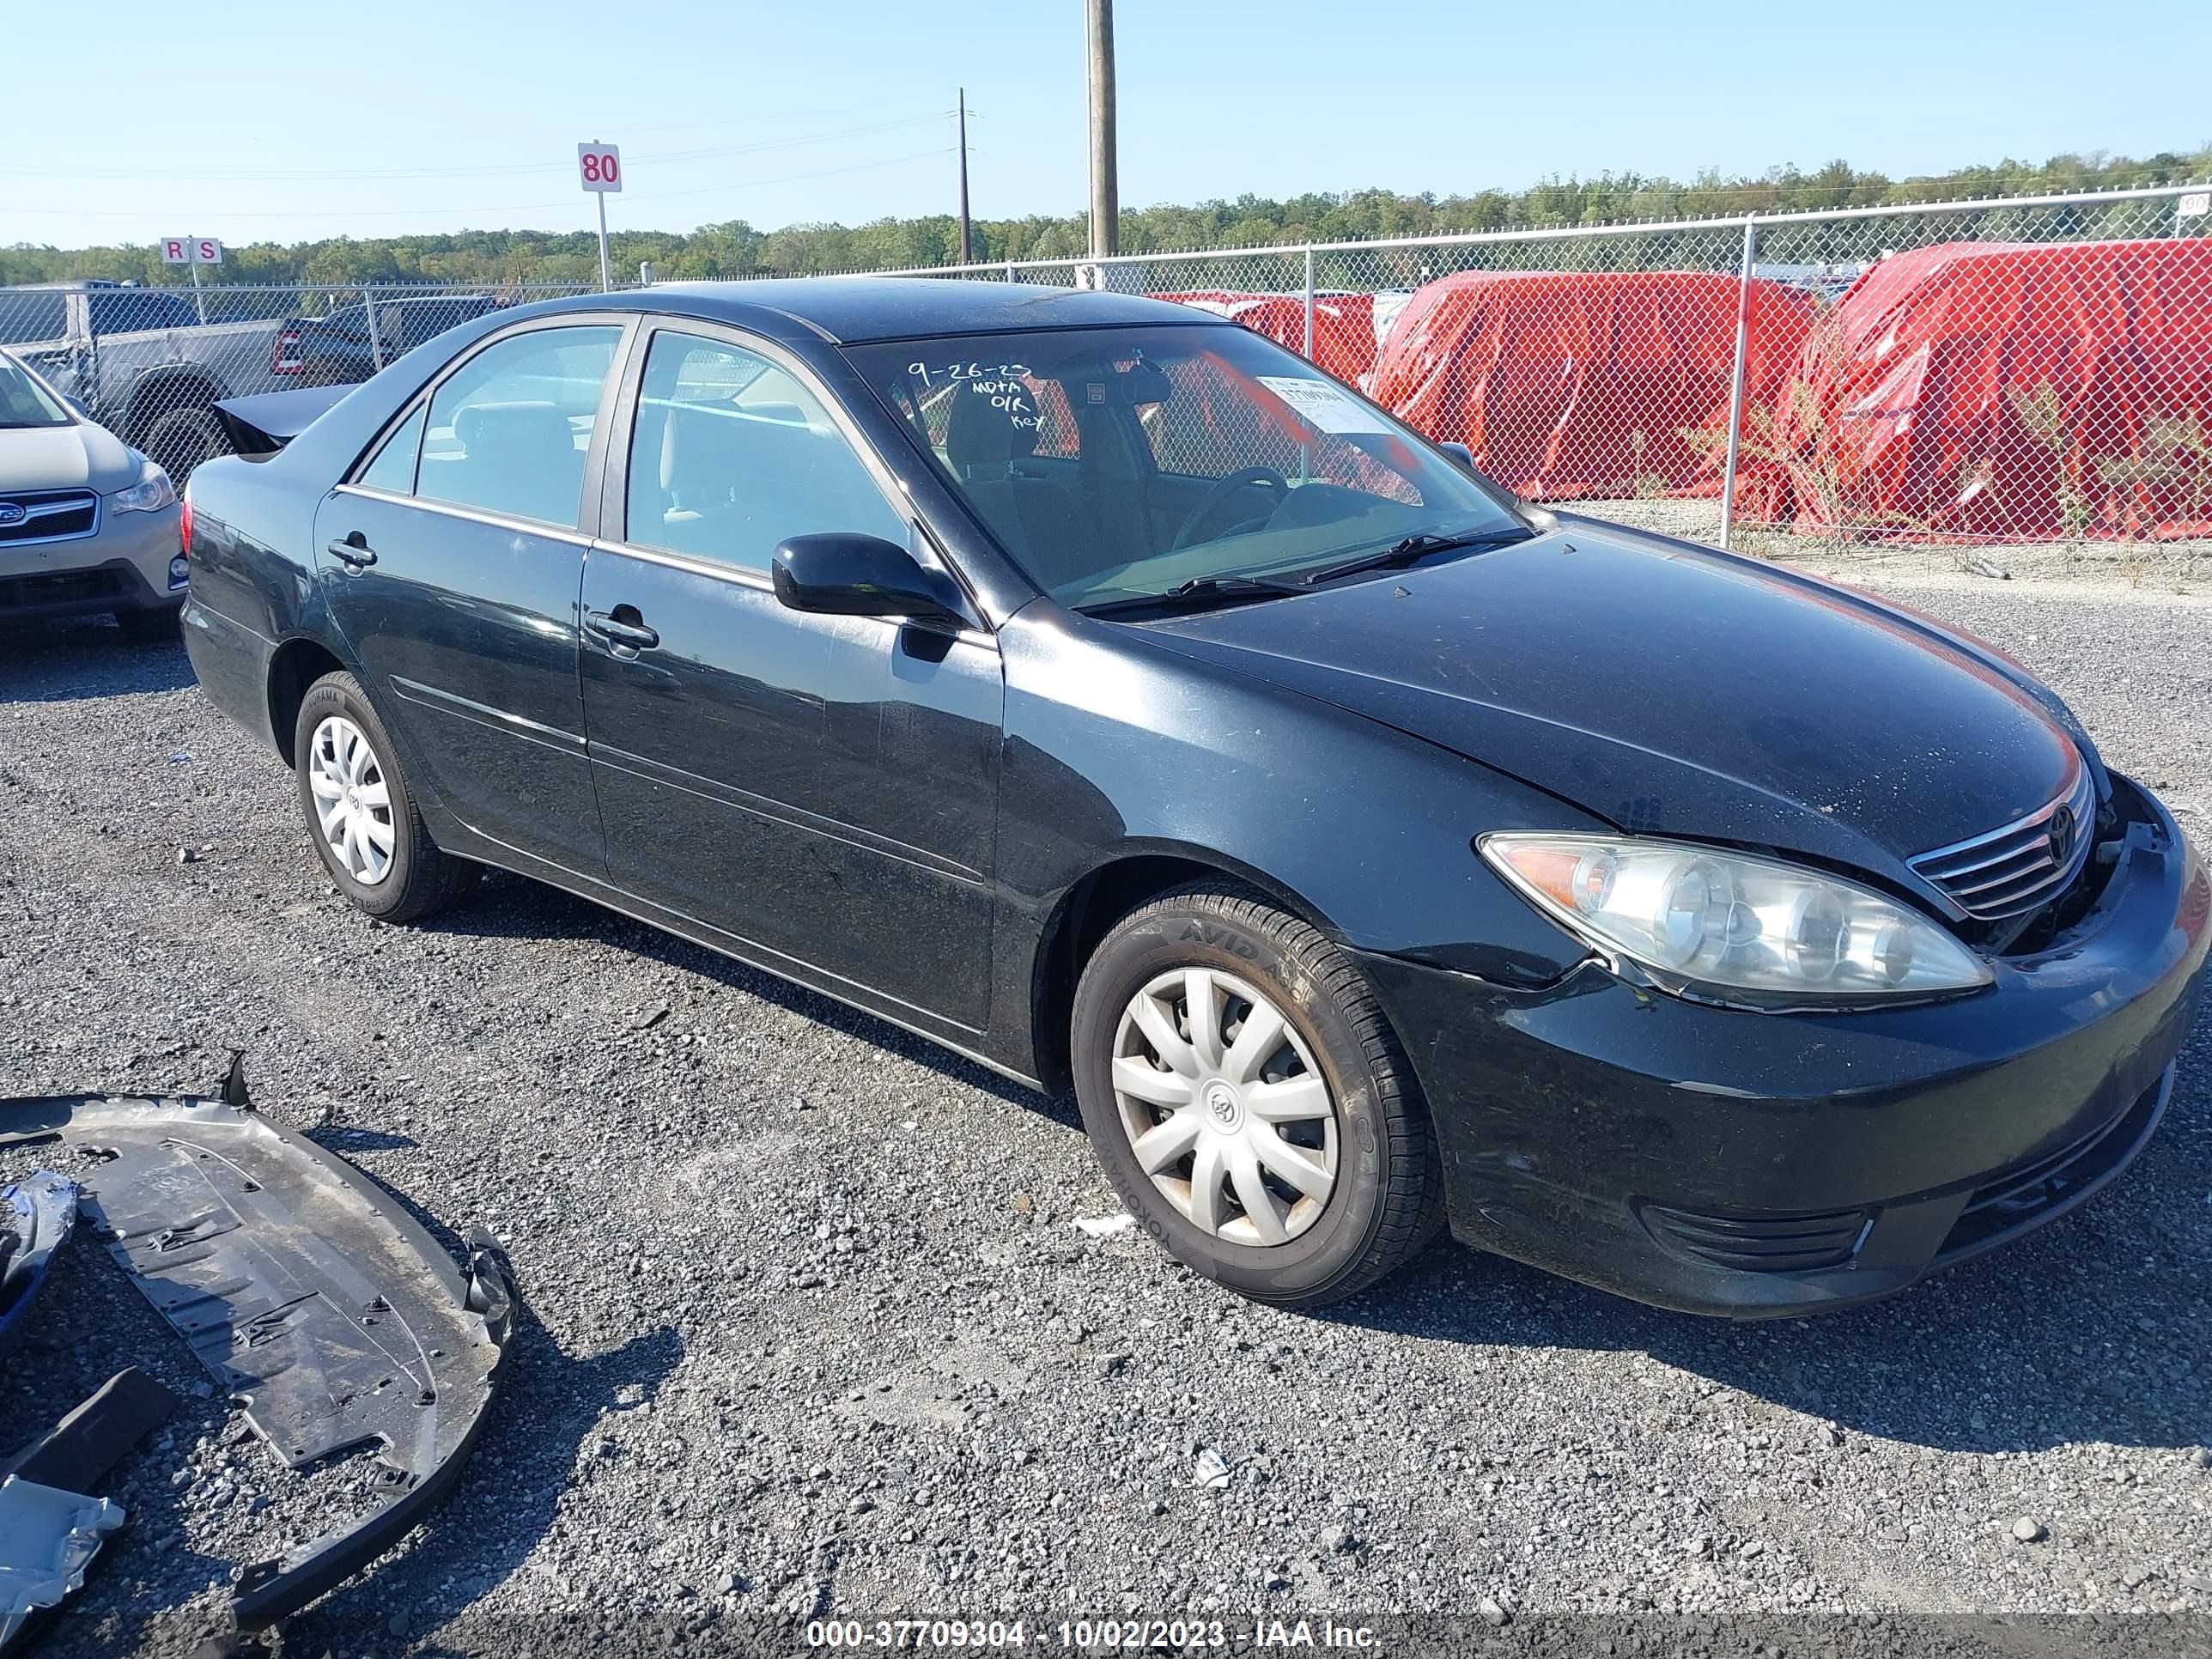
850, 574
1461, 456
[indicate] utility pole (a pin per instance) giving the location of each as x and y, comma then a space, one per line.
967, 247
1105, 187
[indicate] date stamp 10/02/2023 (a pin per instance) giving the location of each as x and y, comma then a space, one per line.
1261, 1633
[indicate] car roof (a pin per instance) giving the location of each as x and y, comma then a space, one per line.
854, 310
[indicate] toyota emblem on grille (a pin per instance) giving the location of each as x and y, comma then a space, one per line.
2062, 834
13, 514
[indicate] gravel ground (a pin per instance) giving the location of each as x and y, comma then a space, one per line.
811, 1326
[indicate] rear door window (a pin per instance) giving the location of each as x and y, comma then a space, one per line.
392, 467
509, 430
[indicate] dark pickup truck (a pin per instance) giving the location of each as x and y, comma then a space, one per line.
345, 346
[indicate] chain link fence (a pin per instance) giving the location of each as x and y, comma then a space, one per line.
2029, 371
149, 363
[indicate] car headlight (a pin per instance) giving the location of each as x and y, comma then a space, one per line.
1694, 916
150, 494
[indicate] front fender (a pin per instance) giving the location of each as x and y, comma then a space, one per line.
1116, 749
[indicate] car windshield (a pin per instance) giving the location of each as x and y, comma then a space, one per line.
1117, 465
24, 401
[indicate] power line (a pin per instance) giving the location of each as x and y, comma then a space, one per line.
742, 121
710, 189
512, 207
500, 171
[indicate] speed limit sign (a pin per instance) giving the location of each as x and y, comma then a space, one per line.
601, 165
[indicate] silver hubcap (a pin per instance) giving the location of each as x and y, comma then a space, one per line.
1225, 1108
353, 805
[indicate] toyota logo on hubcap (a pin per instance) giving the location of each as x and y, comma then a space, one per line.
1221, 1101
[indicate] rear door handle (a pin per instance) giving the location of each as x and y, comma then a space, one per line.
621, 626
353, 551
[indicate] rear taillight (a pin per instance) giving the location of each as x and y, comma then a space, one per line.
185, 525
284, 353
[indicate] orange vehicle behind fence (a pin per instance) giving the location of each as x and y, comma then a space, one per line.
1585, 384
2024, 391
1344, 343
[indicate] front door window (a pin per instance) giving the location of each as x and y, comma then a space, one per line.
731, 455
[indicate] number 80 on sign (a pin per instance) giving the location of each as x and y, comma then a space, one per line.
600, 166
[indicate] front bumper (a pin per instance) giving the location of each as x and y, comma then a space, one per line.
1721, 1161
123, 565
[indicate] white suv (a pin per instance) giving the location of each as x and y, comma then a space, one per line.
87, 523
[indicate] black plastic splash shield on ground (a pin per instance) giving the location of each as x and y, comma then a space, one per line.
308, 1292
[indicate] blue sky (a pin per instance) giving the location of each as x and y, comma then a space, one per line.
252, 121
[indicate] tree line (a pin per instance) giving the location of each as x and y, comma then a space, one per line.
737, 249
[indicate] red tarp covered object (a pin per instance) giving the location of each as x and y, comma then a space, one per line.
2008, 389
1569, 383
1344, 325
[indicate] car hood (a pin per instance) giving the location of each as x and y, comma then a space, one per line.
1674, 691
81, 456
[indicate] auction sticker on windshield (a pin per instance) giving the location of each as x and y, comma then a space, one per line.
1324, 405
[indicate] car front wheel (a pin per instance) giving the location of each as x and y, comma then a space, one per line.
360, 813
1249, 1101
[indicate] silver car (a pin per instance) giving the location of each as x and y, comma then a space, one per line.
87, 523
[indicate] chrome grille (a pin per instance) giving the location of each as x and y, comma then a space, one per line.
2024, 865
49, 515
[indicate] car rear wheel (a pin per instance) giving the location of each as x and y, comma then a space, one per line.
1249, 1101
148, 627
360, 813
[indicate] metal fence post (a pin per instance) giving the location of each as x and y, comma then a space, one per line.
1309, 304
1305, 448
375, 339
1736, 381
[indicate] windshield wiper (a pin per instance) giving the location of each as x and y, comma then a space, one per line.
1412, 549
1200, 593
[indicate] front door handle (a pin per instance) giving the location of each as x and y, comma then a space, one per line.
621, 627
353, 550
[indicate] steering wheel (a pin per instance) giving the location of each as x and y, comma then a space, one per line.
1243, 478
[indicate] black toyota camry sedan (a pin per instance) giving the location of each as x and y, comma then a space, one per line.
1095, 688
